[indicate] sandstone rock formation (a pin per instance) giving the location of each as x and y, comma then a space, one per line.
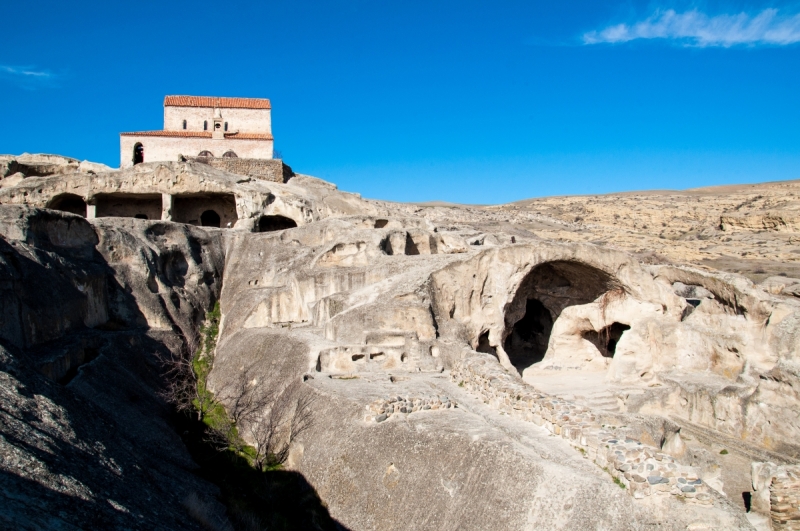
460, 381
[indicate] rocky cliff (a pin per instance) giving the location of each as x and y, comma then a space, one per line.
469, 367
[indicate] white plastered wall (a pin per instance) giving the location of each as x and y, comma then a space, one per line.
242, 120
165, 148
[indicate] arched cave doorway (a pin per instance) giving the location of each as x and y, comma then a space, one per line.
69, 203
273, 223
209, 218
138, 153
540, 299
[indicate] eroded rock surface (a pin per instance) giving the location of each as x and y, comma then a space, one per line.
461, 379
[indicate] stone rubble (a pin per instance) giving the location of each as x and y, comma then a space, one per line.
642, 469
383, 408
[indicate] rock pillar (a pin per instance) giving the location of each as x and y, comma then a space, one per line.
91, 211
166, 207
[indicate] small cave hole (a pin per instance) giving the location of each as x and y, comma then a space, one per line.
381, 223
411, 247
358, 357
485, 346
140, 216
606, 339
377, 356
746, 499
273, 223
210, 218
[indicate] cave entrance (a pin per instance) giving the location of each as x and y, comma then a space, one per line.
71, 203
542, 296
205, 209
142, 206
275, 222
209, 218
527, 342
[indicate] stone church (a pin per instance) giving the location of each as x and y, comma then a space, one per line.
202, 126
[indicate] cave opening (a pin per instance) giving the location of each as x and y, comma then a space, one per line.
543, 294
530, 335
606, 339
209, 218
71, 203
275, 222
485, 346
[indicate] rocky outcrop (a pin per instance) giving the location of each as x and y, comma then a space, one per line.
458, 376
85, 442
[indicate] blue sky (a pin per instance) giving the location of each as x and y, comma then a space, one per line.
474, 102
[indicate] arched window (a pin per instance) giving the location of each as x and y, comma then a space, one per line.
226, 126
138, 153
230, 154
205, 153
184, 124
205, 125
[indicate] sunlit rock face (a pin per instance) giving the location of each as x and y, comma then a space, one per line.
460, 376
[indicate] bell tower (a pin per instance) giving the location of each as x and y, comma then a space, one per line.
217, 133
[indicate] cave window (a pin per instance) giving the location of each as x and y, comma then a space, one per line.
606, 340
138, 153
184, 124
205, 125
140, 216
273, 223
485, 346
210, 218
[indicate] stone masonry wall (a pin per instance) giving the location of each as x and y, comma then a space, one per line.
265, 169
784, 499
642, 469
776, 493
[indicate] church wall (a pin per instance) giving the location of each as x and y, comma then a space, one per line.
243, 120
164, 148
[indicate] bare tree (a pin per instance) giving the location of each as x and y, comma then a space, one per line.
181, 387
273, 433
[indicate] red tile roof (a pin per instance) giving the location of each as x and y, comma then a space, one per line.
248, 136
201, 134
210, 101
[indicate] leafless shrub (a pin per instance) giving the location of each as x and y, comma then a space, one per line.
181, 388
272, 417
273, 433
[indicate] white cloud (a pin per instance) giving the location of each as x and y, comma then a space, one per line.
698, 29
26, 76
